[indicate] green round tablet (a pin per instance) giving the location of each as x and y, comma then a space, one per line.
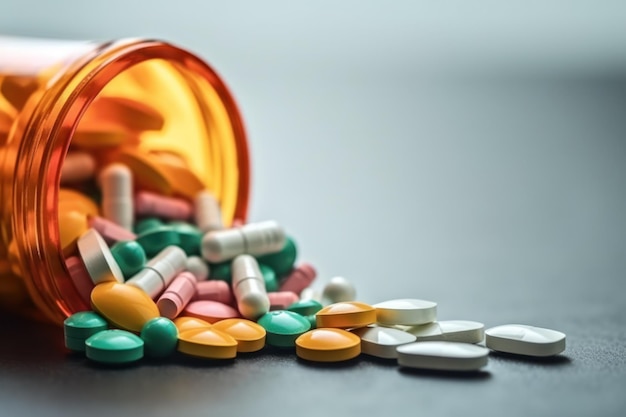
83, 324
305, 307
283, 327
160, 337
157, 239
146, 224
114, 347
130, 257
281, 262
269, 276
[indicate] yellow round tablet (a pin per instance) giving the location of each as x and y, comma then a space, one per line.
249, 335
70, 200
207, 343
189, 323
328, 345
346, 315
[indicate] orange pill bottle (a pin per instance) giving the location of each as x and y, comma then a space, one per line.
46, 89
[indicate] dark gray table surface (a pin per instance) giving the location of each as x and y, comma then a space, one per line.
470, 155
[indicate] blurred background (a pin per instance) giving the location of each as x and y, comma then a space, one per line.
472, 153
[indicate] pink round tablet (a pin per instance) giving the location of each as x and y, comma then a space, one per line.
80, 277
299, 278
214, 290
211, 311
280, 300
110, 231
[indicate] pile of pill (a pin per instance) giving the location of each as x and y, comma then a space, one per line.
158, 272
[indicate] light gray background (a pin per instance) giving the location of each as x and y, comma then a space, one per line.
471, 153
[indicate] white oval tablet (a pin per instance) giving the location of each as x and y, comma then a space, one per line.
463, 331
406, 311
98, 258
526, 340
382, 341
446, 356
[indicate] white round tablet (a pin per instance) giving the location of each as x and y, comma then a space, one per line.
521, 339
337, 290
98, 259
382, 341
406, 311
445, 356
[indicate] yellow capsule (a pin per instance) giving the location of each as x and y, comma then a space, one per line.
125, 306
188, 323
207, 343
250, 336
346, 315
328, 345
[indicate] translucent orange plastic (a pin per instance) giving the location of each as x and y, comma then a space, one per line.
46, 92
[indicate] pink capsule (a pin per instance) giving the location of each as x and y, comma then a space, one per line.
211, 311
177, 295
80, 277
151, 204
110, 231
214, 290
299, 278
280, 300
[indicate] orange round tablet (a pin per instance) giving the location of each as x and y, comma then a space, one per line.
328, 345
188, 323
249, 335
207, 343
346, 315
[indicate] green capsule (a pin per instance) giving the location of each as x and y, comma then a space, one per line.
281, 262
114, 347
312, 321
130, 257
157, 239
269, 276
189, 235
305, 307
146, 224
160, 337
80, 326
283, 327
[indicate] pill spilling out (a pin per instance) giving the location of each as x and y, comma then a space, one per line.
166, 272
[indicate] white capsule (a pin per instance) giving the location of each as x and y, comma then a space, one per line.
207, 212
116, 183
198, 268
77, 167
338, 289
160, 271
249, 287
252, 239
